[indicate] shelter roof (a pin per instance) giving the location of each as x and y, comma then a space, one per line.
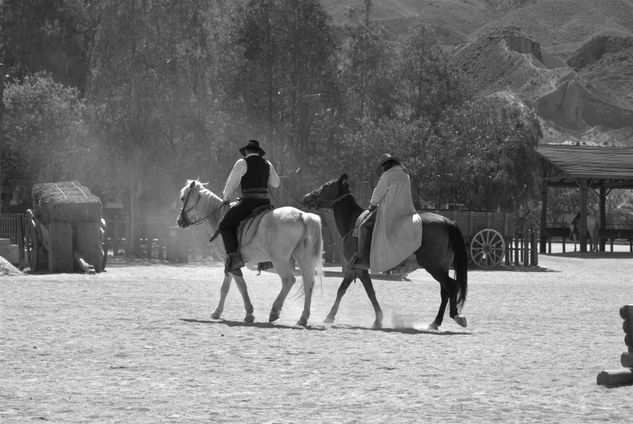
568, 165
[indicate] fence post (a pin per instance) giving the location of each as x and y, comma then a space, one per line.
534, 251
508, 253
517, 248
21, 261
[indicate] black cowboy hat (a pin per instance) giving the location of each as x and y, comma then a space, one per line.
384, 158
252, 144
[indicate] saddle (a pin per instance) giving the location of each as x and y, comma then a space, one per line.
248, 227
387, 249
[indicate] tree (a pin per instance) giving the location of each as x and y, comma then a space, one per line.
47, 35
483, 156
366, 72
152, 82
427, 85
45, 132
284, 62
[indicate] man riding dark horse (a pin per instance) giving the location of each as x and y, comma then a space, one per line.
390, 230
252, 175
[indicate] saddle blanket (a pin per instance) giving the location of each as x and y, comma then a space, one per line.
248, 227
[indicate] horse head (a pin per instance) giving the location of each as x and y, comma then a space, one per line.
190, 196
328, 194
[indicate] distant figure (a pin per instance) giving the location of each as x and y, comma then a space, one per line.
593, 230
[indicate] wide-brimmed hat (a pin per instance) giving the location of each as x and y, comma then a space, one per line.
384, 158
252, 144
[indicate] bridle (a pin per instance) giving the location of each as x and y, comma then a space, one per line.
330, 203
184, 217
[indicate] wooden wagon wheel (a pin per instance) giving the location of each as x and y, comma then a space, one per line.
487, 248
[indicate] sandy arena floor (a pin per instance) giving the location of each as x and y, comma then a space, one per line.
136, 344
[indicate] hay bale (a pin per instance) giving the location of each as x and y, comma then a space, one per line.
88, 243
628, 340
65, 202
60, 247
626, 359
626, 312
7, 268
612, 378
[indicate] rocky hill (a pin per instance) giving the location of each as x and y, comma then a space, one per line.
572, 60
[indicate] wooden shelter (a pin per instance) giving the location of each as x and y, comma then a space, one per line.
589, 168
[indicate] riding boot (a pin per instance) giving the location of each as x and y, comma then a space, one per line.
234, 261
361, 260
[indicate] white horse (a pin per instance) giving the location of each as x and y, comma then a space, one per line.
284, 236
593, 229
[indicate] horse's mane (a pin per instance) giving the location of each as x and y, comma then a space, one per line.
202, 189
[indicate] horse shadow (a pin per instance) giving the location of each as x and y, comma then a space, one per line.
272, 326
404, 330
264, 325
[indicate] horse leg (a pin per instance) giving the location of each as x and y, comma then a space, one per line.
369, 288
308, 285
224, 291
442, 277
241, 285
287, 280
435, 325
347, 280
459, 319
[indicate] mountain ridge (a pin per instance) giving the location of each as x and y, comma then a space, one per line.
572, 60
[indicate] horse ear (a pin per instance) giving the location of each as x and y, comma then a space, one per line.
343, 178
192, 185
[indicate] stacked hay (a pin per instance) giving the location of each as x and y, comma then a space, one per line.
72, 215
623, 376
7, 268
65, 202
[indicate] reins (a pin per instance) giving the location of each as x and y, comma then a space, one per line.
336, 200
184, 212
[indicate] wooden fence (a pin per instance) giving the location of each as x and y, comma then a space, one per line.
10, 226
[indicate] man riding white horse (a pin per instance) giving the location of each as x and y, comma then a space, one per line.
252, 175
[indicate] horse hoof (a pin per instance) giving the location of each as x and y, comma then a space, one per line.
377, 325
329, 319
249, 318
461, 320
274, 316
216, 315
302, 322
434, 326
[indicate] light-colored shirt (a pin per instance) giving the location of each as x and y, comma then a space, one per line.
239, 170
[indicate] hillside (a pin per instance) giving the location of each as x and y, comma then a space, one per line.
563, 26
570, 59
580, 104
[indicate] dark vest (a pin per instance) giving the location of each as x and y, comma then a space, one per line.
255, 182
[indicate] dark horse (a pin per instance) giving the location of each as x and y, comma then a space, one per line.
442, 246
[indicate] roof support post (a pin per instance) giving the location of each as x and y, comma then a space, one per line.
603, 213
583, 215
544, 187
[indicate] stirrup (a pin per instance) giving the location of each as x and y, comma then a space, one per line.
234, 262
355, 263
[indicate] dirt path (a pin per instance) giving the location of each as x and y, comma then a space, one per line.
136, 344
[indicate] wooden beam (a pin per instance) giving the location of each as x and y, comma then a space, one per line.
583, 215
603, 213
544, 187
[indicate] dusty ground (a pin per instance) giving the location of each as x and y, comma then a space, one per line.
136, 344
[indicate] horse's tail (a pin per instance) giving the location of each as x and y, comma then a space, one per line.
313, 242
460, 262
